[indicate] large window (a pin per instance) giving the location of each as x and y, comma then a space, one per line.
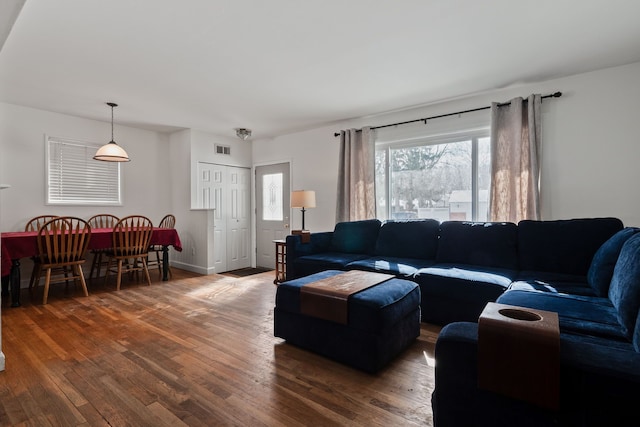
444, 178
74, 178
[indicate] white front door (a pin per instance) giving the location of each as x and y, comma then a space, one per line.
272, 210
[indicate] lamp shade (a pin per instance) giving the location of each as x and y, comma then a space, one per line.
303, 199
111, 152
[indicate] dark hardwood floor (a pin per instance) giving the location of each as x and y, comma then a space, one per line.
194, 351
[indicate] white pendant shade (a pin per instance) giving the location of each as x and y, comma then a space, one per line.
303, 199
111, 152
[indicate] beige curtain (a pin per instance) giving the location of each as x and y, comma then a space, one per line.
515, 169
356, 184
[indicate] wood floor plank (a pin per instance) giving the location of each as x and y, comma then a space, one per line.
193, 351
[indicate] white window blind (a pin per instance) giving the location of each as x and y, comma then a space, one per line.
75, 178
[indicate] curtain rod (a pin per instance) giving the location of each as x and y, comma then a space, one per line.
551, 95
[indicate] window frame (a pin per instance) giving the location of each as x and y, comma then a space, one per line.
111, 170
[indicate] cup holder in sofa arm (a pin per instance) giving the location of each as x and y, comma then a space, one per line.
519, 354
513, 313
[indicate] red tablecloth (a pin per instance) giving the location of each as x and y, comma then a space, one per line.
23, 244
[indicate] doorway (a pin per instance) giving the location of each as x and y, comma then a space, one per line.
272, 210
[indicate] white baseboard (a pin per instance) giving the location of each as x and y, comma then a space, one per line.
193, 268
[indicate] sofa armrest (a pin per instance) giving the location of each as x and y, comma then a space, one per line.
457, 401
599, 384
318, 243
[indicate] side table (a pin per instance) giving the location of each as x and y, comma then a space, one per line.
281, 261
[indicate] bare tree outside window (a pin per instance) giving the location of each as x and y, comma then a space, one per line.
434, 181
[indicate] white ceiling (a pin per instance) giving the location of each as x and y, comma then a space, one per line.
277, 66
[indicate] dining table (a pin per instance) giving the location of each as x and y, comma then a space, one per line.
16, 245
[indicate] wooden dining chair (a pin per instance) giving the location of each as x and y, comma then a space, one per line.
34, 224
131, 237
100, 221
62, 243
169, 221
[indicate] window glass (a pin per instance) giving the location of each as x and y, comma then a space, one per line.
444, 179
272, 192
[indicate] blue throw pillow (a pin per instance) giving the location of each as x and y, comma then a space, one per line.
624, 291
604, 261
355, 237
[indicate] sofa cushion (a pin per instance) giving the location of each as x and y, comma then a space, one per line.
563, 246
355, 237
390, 265
604, 261
408, 239
456, 292
624, 291
562, 283
309, 264
576, 314
488, 244
573, 288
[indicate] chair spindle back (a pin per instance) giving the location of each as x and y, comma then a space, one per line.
35, 223
63, 240
103, 221
131, 236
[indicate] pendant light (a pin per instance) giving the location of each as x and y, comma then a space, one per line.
112, 152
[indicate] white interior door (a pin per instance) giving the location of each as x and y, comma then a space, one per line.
211, 190
238, 219
272, 210
226, 190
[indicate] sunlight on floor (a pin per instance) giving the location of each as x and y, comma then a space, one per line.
431, 362
223, 284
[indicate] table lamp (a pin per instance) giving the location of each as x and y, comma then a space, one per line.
303, 199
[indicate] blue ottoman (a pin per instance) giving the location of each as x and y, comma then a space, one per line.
382, 321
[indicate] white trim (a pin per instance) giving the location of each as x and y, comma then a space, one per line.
193, 268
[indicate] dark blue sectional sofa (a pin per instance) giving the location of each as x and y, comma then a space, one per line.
586, 270
459, 266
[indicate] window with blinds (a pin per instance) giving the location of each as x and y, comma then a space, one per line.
74, 178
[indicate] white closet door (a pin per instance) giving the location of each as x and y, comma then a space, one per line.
227, 190
238, 218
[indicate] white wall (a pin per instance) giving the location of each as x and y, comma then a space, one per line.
590, 147
186, 149
313, 156
146, 179
203, 150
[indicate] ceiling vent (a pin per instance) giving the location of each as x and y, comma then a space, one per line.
223, 149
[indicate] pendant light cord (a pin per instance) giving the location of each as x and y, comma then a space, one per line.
112, 123
112, 104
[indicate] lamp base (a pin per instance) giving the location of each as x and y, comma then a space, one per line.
305, 235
